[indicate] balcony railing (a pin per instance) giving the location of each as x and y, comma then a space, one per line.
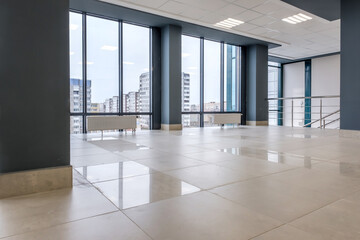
316, 111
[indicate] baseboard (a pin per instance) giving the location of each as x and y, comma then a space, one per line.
257, 123
171, 127
35, 181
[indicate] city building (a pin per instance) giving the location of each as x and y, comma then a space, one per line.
246, 115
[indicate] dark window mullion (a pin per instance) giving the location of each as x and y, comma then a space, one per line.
121, 89
84, 69
201, 82
222, 67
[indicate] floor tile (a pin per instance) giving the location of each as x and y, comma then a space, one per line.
200, 216
95, 159
276, 199
339, 220
287, 232
166, 163
109, 226
135, 191
106, 172
209, 176
211, 156
37, 211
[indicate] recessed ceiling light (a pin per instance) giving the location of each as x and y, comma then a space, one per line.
228, 23
128, 63
73, 26
185, 54
304, 16
109, 48
298, 18
88, 63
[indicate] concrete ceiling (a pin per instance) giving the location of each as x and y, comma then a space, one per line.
263, 20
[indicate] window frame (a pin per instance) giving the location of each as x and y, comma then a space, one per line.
85, 113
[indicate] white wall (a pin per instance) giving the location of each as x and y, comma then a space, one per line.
325, 81
294, 86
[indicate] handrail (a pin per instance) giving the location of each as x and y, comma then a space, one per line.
315, 97
335, 120
322, 118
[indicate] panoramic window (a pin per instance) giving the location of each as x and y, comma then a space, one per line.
190, 74
211, 76
136, 62
102, 65
190, 80
76, 76
231, 78
273, 91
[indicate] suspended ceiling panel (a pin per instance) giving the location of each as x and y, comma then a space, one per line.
263, 20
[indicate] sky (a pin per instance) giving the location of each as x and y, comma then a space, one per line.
103, 59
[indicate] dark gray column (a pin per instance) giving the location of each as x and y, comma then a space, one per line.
350, 61
34, 88
256, 85
156, 77
171, 78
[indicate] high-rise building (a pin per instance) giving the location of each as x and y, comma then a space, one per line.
185, 81
76, 100
131, 102
111, 105
144, 92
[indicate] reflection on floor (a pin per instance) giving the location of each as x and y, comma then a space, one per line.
231, 183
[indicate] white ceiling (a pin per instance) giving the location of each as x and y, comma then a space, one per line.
263, 20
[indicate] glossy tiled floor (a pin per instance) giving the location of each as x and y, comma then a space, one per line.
238, 183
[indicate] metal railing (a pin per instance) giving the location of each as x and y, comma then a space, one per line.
316, 111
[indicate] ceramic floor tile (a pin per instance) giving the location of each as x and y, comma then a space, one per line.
211, 156
95, 159
254, 166
166, 163
33, 212
200, 216
339, 220
287, 232
142, 154
209, 176
344, 169
276, 199
323, 182
109, 226
136, 191
77, 152
106, 172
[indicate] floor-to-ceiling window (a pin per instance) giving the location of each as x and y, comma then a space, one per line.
190, 81
99, 83
102, 39
232, 71
136, 75
211, 80
76, 73
274, 70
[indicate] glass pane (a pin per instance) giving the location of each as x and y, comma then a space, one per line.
76, 77
209, 120
76, 125
273, 92
190, 74
231, 78
190, 120
102, 64
136, 92
143, 122
211, 76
